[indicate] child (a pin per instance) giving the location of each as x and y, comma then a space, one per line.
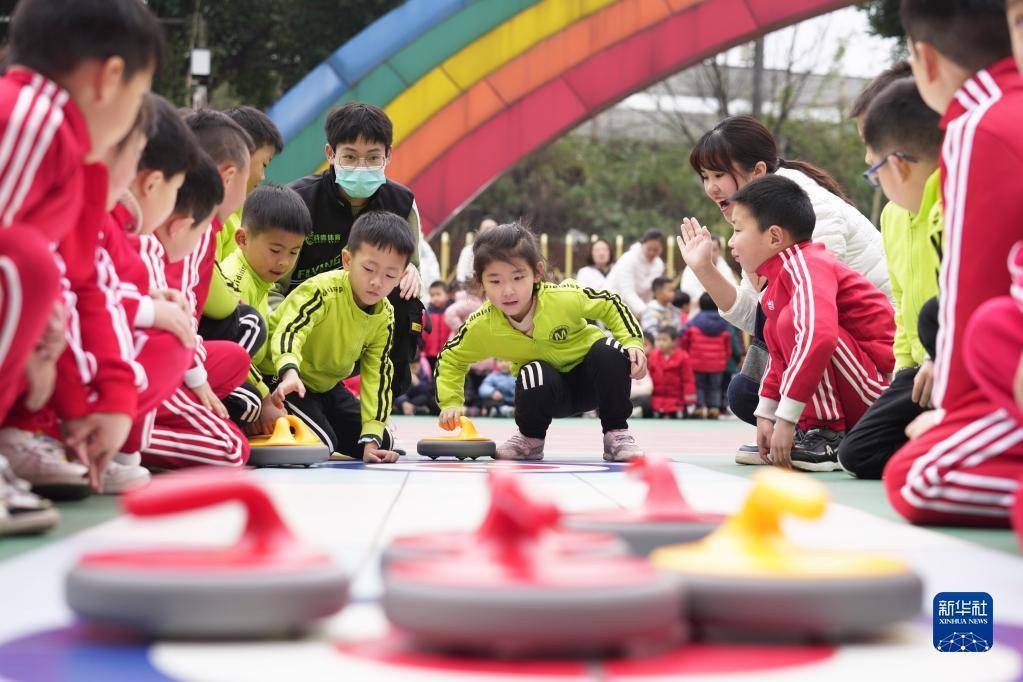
467, 300
497, 392
228, 146
358, 148
709, 343
77, 75
903, 144
330, 322
660, 311
267, 142
526, 319
829, 331
682, 302
419, 398
275, 222
672, 374
434, 340
964, 470
186, 431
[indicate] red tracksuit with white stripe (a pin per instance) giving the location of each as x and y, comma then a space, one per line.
43, 142
830, 334
161, 354
965, 469
185, 432
674, 384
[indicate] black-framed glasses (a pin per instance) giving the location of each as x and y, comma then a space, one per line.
870, 175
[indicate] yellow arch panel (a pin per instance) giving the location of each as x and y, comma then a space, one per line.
442, 84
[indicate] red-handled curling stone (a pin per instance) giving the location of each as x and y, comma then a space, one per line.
491, 532
517, 595
268, 582
664, 518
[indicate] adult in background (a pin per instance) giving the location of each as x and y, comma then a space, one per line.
635, 272
593, 275
463, 269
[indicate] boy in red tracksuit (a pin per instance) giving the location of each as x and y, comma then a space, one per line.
194, 275
672, 375
965, 469
61, 109
440, 332
187, 431
829, 331
709, 343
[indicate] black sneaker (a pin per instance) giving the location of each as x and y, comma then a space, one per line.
817, 450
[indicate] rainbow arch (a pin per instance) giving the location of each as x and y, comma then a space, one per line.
473, 86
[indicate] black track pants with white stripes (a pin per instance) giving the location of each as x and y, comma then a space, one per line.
245, 326
600, 381
334, 416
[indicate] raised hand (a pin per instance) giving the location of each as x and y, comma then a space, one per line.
696, 244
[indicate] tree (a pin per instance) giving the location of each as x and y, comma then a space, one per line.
260, 48
883, 16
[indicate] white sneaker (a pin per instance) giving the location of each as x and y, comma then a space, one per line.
42, 461
392, 429
748, 453
125, 472
620, 446
520, 447
21, 510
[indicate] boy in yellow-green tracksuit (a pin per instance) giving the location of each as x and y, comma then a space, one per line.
564, 364
903, 142
267, 247
334, 320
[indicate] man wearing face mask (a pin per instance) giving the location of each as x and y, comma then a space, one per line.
358, 148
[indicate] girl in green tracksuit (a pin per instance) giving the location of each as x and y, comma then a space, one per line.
564, 365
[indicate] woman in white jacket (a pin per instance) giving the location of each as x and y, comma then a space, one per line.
737, 151
741, 149
636, 270
594, 274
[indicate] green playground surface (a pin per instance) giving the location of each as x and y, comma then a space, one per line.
710, 445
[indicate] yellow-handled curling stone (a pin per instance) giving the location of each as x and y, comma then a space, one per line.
291, 444
515, 595
466, 444
664, 518
267, 583
748, 578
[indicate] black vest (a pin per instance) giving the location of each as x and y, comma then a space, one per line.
332, 220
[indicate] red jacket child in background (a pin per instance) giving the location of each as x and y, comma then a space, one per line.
708, 341
672, 374
440, 332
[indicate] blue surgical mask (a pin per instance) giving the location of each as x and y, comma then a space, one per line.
359, 183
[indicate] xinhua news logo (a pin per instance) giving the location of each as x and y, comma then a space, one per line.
964, 622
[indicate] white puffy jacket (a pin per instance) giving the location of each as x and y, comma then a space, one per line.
845, 232
632, 276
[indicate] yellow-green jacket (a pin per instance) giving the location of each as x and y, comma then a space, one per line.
253, 291
561, 335
321, 331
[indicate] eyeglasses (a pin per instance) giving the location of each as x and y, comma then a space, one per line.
351, 162
870, 175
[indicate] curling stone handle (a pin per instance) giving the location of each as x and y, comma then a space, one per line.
466, 427
290, 428
514, 514
663, 494
183, 492
775, 493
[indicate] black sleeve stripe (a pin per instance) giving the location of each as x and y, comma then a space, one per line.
631, 323
301, 320
386, 378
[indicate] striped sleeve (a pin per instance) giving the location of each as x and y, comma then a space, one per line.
607, 307
468, 345
295, 318
377, 379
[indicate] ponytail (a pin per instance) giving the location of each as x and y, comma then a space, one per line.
819, 175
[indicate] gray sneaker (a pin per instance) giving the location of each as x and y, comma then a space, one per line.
748, 453
521, 447
620, 446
